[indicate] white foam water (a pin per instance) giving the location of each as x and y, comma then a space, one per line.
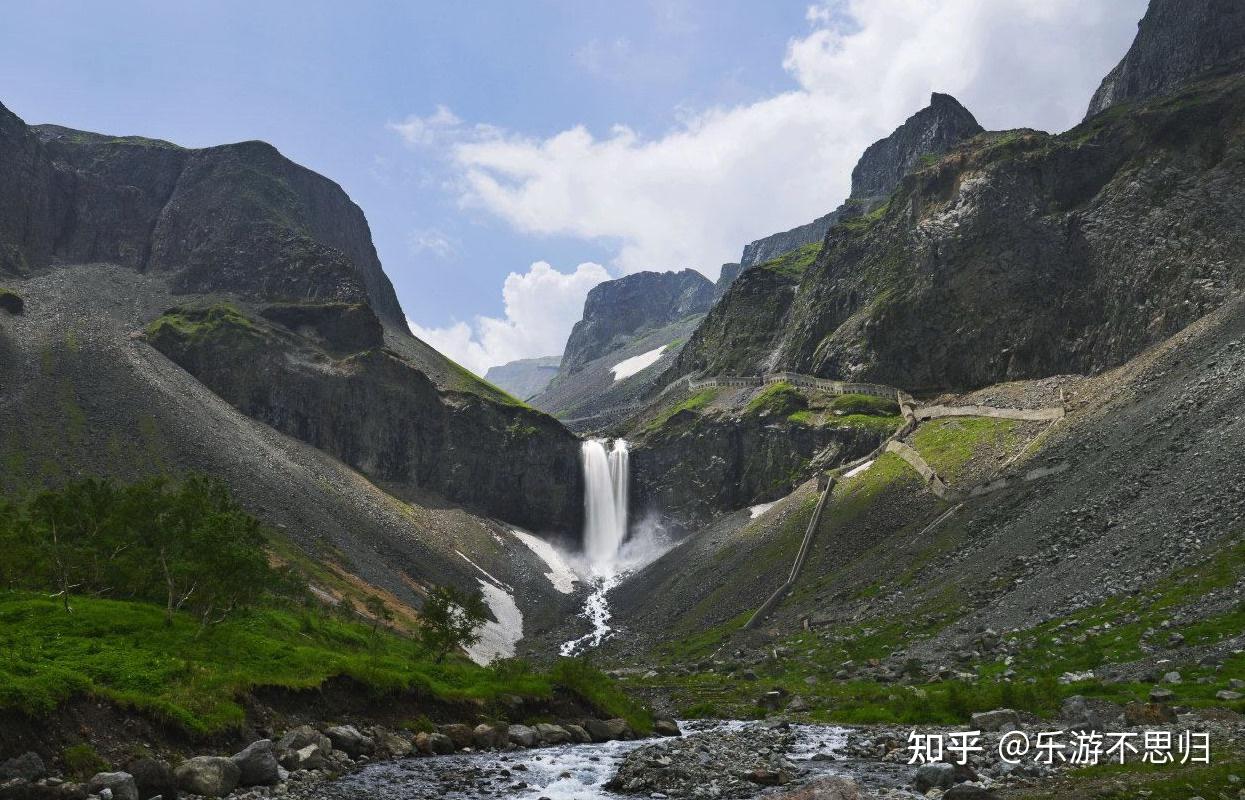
605, 503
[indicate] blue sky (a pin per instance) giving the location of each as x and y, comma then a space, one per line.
482, 138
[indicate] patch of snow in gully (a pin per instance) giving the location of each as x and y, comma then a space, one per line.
630, 366
858, 470
497, 639
756, 511
560, 575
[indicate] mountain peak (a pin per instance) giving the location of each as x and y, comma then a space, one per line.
930, 131
1177, 41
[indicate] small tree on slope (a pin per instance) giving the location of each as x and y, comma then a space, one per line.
451, 619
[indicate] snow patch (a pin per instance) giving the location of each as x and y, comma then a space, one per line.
756, 511
630, 366
560, 575
857, 470
497, 639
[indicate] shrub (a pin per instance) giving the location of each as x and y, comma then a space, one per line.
81, 761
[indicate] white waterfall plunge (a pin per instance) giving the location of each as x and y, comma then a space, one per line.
605, 529
605, 504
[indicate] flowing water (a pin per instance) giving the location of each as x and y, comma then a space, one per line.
606, 478
605, 503
566, 772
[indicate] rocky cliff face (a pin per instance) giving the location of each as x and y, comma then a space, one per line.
726, 277
696, 466
1018, 254
775, 245
287, 314
617, 310
240, 218
1177, 40
525, 377
331, 387
926, 134
929, 132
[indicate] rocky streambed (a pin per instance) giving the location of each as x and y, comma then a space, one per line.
712, 760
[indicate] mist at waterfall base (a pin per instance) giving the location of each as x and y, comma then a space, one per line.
609, 554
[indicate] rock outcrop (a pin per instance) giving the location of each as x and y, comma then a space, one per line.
616, 311
1016, 255
929, 132
1177, 41
725, 278
312, 332
240, 218
525, 377
332, 388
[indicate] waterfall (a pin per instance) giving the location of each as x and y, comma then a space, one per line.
605, 502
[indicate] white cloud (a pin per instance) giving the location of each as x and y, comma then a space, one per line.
431, 240
417, 130
724, 176
541, 307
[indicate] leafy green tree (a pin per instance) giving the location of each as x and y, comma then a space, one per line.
451, 618
379, 612
70, 533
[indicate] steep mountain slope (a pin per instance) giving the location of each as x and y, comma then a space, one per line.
1016, 255
615, 311
1145, 499
645, 316
983, 548
82, 393
1176, 42
525, 377
381, 460
929, 132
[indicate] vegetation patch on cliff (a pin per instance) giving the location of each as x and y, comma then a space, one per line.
793, 265
948, 444
189, 323
777, 399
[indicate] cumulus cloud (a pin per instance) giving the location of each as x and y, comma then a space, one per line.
724, 176
541, 307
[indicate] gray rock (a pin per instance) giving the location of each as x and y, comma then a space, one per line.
522, 736
578, 734
300, 737
1172, 677
1160, 695
1228, 695
153, 777
120, 784
440, 744
552, 734
931, 776
312, 756
1000, 719
1079, 716
257, 764
489, 737
210, 776
28, 766
390, 744
666, 727
348, 739
607, 730
461, 735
